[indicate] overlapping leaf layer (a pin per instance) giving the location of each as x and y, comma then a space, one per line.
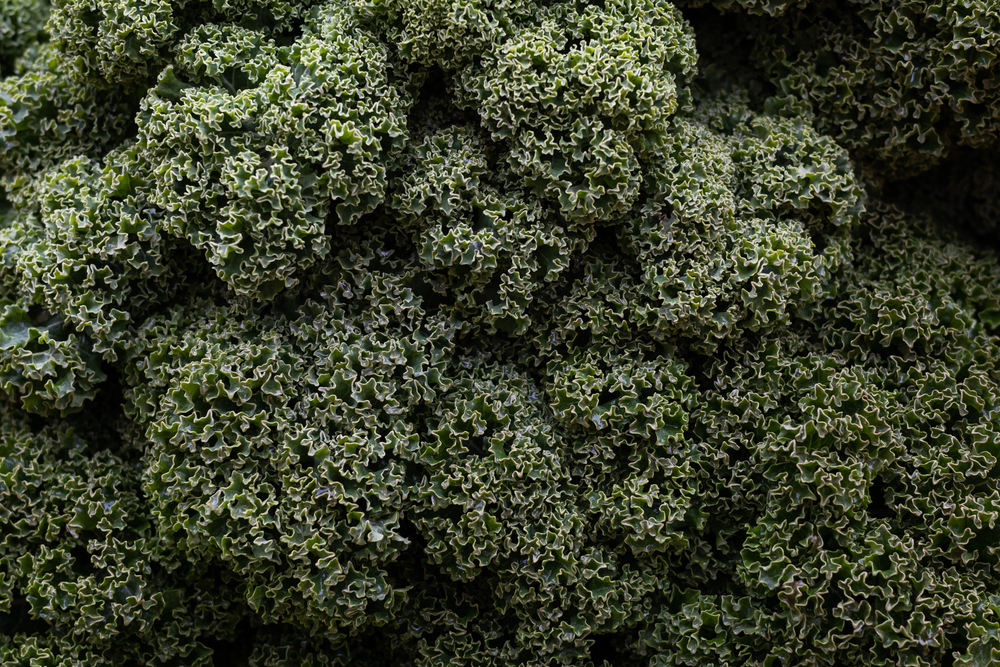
499, 332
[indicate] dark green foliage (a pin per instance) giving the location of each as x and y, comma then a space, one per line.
21, 23
444, 33
42, 365
583, 95
82, 579
734, 217
130, 42
472, 222
476, 332
277, 442
858, 454
248, 146
86, 245
898, 83
47, 117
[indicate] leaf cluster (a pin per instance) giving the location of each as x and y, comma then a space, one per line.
498, 332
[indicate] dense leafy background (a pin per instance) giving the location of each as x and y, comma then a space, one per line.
499, 332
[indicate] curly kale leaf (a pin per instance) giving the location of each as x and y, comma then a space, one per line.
250, 146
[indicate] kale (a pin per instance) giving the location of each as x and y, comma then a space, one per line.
499, 332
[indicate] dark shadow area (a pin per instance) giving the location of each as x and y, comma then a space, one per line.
962, 194
19, 621
234, 652
878, 507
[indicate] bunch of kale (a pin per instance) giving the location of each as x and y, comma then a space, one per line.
499, 332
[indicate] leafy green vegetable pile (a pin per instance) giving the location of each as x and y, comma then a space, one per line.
499, 332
